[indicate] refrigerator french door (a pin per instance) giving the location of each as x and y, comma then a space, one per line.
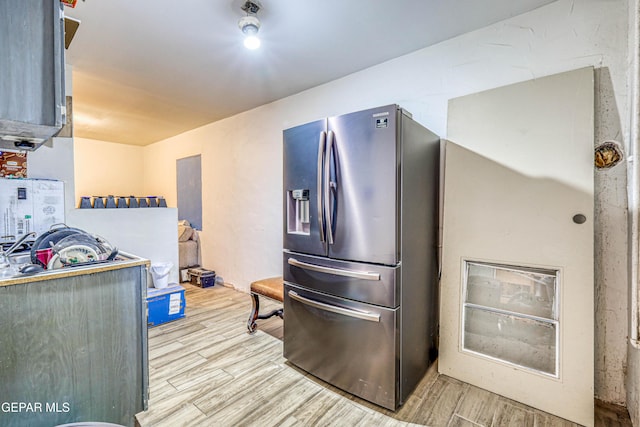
360, 222
348, 165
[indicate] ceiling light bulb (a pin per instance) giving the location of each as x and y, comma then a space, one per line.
250, 25
251, 42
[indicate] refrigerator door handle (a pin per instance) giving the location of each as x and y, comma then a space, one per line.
327, 187
365, 275
364, 315
323, 137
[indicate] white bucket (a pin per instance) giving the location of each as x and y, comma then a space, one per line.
160, 274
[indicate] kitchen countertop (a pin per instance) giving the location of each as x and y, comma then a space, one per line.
123, 260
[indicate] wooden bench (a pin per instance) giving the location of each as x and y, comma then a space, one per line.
272, 288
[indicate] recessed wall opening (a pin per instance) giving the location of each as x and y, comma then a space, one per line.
189, 190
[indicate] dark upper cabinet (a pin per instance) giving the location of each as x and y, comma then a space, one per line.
32, 93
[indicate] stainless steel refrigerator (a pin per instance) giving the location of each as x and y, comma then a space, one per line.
360, 263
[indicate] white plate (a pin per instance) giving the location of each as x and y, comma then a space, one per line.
77, 254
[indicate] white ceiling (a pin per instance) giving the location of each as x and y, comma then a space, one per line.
145, 70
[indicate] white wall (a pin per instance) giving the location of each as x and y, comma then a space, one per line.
242, 155
150, 233
105, 168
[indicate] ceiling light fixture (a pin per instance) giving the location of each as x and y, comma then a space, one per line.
250, 25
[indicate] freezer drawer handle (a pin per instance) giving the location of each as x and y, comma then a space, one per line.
336, 271
364, 315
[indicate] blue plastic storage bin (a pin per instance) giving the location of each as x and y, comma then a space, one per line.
165, 305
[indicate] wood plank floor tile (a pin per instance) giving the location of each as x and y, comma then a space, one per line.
344, 412
440, 402
172, 336
238, 390
380, 420
171, 397
223, 346
247, 402
457, 421
373, 417
158, 390
478, 406
509, 414
314, 409
165, 328
230, 332
194, 348
164, 349
290, 422
289, 397
182, 364
206, 370
263, 345
201, 339
547, 420
187, 415
241, 362
168, 403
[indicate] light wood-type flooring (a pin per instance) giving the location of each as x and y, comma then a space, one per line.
205, 370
